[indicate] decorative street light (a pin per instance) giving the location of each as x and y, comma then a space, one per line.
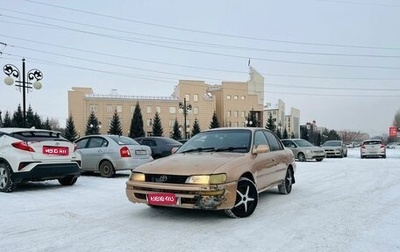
24, 85
186, 108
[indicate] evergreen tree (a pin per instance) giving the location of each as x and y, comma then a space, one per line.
1, 120
270, 123
46, 124
214, 122
292, 135
37, 122
157, 127
319, 140
7, 122
115, 125
279, 134
176, 133
92, 126
196, 127
70, 131
30, 117
18, 118
285, 134
136, 129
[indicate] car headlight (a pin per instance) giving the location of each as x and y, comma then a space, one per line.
135, 176
308, 151
207, 179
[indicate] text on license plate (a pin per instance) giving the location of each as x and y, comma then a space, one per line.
140, 152
161, 199
56, 150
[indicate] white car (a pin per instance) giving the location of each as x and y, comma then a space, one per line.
36, 155
373, 148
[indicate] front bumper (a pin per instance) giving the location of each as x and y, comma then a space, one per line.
210, 197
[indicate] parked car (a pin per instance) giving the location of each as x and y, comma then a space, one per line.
334, 148
218, 169
393, 145
373, 148
160, 146
303, 150
36, 155
110, 153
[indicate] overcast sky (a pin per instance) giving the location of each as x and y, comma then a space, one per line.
336, 61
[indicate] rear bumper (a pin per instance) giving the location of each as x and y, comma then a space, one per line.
47, 172
210, 197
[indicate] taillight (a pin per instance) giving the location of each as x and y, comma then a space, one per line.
22, 146
124, 152
363, 146
75, 147
382, 146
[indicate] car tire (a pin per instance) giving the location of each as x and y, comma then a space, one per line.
106, 169
68, 181
301, 157
319, 159
246, 199
6, 183
286, 186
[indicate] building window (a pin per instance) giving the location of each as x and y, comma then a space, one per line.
172, 110
149, 122
132, 109
93, 108
109, 109
235, 114
158, 109
235, 97
228, 97
171, 123
196, 97
187, 97
242, 114
228, 113
148, 110
119, 108
195, 110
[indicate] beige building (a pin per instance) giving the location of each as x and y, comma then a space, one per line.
291, 121
232, 101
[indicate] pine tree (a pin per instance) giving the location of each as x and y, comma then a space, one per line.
292, 135
157, 127
136, 129
279, 134
196, 127
18, 118
7, 122
270, 123
1, 120
70, 131
285, 134
46, 124
30, 117
214, 122
176, 133
115, 125
37, 122
92, 126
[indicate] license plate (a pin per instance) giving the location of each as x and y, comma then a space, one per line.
140, 152
161, 199
56, 150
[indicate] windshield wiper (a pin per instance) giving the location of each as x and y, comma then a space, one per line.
231, 148
199, 149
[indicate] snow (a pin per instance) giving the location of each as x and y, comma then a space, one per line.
348, 204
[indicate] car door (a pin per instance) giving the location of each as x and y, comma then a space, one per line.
92, 153
264, 163
279, 154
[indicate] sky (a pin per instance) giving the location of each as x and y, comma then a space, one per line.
335, 205
337, 61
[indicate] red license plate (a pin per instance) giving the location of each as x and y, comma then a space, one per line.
56, 150
161, 199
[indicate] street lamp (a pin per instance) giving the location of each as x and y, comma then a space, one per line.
13, 72
186, 108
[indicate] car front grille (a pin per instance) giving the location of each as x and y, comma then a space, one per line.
161, 178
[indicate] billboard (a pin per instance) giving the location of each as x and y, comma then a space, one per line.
393, 131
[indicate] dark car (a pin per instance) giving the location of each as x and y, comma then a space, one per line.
160, 146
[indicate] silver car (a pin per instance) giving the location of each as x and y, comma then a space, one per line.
373, 148
335, 148
304, 150
110, 153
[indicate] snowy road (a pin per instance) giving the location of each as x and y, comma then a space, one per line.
348, 204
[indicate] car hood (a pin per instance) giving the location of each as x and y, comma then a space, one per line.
315, 148
193, 163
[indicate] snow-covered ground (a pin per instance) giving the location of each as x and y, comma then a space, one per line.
348, 204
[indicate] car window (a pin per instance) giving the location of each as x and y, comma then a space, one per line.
303, 143
332, 143
260, 138
82, 143
149, 142
97, 142
273, 141
288, 143
372, 142
38, 136
123, 140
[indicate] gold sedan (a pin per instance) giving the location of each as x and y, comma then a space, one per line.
218, 169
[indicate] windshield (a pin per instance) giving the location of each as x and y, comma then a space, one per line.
303, 143
332, 143
218, 140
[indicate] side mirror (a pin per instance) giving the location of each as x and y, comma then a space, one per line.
174, 149
262, 148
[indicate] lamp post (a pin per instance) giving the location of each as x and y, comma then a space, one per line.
186, 108
24, 85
